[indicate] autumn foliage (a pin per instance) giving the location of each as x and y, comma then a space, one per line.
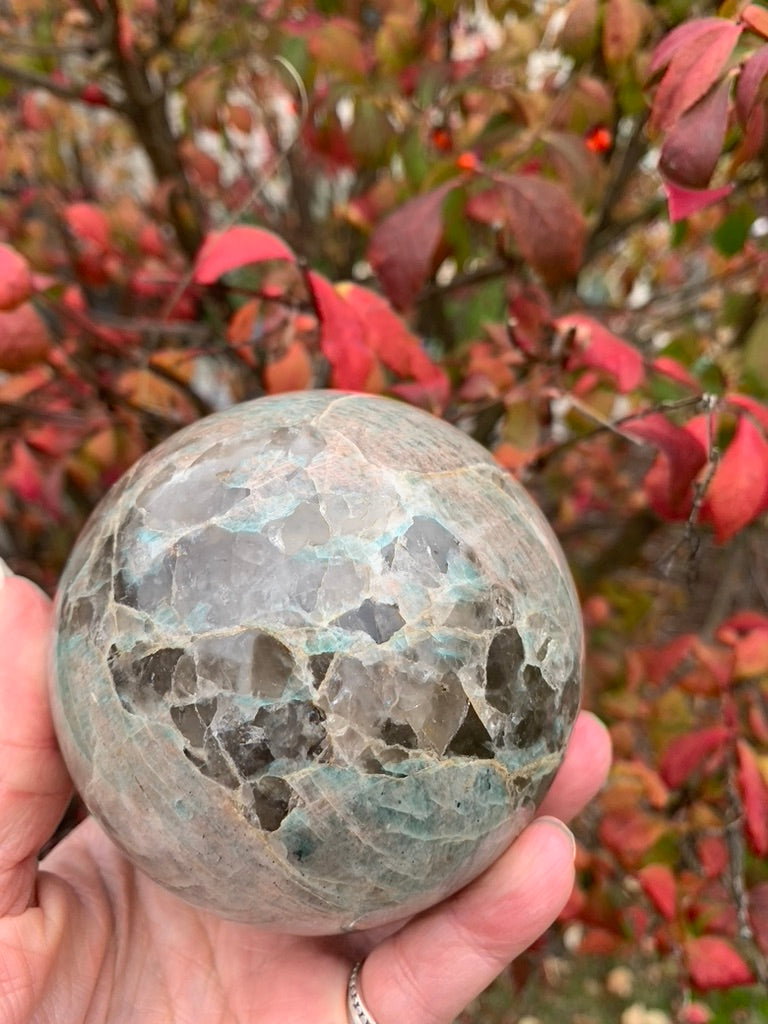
545, 223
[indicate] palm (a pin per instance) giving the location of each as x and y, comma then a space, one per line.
90, 939
149, 957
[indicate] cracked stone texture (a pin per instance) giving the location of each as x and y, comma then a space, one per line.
317, 661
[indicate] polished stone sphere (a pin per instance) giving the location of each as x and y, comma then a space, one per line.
317, 660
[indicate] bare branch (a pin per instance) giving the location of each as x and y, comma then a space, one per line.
33, 80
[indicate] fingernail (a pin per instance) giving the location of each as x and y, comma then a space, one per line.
564, 829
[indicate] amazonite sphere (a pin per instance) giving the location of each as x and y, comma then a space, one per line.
317, 660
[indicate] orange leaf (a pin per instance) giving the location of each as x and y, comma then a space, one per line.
236, 247
658, 883
751, 654
290, 372
598, 348
148, 391
756, 18
15, 278
738, 491
24, 338
754, 796
714, 963
240, 330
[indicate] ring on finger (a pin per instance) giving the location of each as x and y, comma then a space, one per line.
357, 1011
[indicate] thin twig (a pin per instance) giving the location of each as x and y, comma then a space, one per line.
614, 426
66, 92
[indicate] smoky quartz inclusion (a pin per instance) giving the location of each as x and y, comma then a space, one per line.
317, 660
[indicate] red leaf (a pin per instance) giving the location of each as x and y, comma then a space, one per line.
686, 754
693, 146
754, 796
738, 491
683, 202
749, 81
713, 856
394, 344
15, 278
685, 455
756, 18
90, 226
402, 247
693, 68
24, 475
658, 883
714, 963
752, 406
236, 247
599, 942
548, 228
660, 662
677, 372
24, 338
695, 1013
630, 833
684, 35
741, 622
342, 336
600, 349
530, 315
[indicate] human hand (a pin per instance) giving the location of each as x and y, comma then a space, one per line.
86, 938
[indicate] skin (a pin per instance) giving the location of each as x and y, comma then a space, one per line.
86, 938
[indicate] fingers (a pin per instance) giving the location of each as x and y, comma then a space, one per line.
34, 785
583, 771
429, 971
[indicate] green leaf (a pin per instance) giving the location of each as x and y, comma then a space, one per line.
729, 237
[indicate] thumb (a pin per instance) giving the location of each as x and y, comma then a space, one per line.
34, 785
431, 969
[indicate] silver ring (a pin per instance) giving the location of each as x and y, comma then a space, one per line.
357, 1011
